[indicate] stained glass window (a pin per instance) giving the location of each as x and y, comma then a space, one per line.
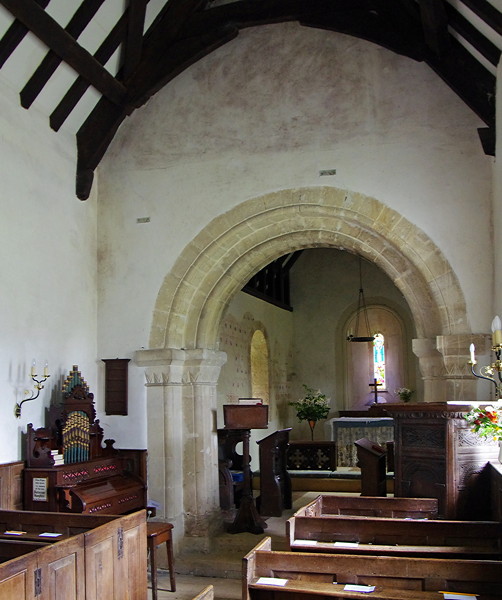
379, 361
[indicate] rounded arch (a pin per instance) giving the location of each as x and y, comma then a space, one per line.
237, 244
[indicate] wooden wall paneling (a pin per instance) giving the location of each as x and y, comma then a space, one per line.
16, 577
62, 570
11, 485
115, 562
496, 490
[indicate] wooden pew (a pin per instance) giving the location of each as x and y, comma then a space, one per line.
371, 506
314, 576
396, 537
32, 525
206, 594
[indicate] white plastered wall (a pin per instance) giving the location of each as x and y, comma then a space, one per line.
48, 303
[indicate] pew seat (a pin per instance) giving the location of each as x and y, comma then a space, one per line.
371, 506
311, 576
395, 537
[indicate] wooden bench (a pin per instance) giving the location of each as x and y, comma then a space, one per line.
371, 506
312, 576
106, 560
206, 594
396, 537
45, 526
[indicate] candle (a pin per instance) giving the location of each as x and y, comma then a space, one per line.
46, 369
496, 331
472, 349
33, 368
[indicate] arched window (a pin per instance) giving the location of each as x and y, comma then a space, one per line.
260, 386
379, 361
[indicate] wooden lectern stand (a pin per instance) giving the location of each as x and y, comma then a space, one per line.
371, 458
246, 417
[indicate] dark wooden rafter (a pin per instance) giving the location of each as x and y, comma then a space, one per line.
51, 61
435, 26
14, 36
54, 37
134, 38
271, 283
487, 12
186, 30
478, 41
96, 133
80, 85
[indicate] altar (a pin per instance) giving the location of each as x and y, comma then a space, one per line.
346, 430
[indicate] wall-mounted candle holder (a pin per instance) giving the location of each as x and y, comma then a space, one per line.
38, 386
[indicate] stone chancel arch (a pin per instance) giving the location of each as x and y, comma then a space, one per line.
183, 362
221, 259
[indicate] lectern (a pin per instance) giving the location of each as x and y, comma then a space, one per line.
246, 417
371, 458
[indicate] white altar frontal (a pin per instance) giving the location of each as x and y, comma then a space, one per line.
346, 430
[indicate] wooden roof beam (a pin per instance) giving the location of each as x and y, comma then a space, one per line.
134, 38
487, 12
57, 39
51, 61
435, 25
14, 36
95, 135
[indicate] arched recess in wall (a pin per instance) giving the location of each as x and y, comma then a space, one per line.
221, 259
359, 359
260, 372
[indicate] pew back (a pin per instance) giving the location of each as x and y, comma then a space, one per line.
206, 594
371, 506
311, 575
396, 537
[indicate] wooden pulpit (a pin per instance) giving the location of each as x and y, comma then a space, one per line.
437, 455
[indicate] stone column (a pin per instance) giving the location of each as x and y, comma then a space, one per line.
460, 384
431, 366
182, 441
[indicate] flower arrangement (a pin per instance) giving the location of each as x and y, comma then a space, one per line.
486, 422
404, 393
312, 407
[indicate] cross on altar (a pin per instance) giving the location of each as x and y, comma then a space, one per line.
374, 385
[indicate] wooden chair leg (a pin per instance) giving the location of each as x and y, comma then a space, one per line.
170, 562
153, 568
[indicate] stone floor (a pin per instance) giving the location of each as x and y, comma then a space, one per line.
222, 568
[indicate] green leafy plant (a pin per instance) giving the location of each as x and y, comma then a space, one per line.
313, 407
486, 422
404, 394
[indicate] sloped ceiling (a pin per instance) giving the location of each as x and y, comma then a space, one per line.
98, 60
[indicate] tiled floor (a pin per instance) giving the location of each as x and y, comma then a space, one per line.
189, 585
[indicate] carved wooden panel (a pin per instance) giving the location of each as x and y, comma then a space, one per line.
438, 456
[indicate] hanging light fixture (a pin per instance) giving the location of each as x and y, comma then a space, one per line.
362, 309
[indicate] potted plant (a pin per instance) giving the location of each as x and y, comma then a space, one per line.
313, 407
404, 394
487, 422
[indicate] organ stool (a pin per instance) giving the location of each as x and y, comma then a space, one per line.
158, 533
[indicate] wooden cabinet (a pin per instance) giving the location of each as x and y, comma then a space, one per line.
108, 561
438, 456
116, 385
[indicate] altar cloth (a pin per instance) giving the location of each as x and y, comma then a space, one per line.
346, 430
